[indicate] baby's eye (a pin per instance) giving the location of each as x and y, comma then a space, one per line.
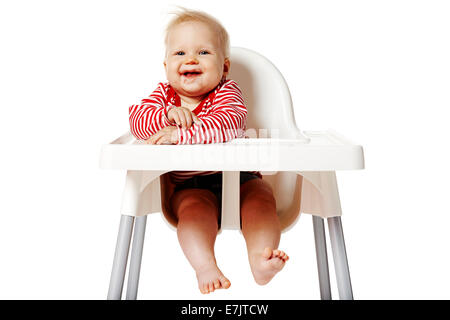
203, 52
179, 53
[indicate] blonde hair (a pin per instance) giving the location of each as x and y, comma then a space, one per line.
186, 15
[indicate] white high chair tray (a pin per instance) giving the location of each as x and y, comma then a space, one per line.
319, 151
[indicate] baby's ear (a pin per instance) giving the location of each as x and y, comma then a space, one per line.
226, 66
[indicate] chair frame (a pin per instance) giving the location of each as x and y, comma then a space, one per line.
320, 160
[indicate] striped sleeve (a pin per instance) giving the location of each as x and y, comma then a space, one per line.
150, 116
226, 121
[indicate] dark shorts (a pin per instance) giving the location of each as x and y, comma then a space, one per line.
213, 183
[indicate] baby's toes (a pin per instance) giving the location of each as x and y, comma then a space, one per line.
203, 289
281, 254
216, 284
225, 283
211, 287
267, 253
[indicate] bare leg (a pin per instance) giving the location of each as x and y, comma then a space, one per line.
261, 230
197, 228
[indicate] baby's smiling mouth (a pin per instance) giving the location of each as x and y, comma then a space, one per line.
191, 74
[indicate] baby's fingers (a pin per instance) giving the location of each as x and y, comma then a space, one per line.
183, 120
153, 139
176, 118
161, 140
161, 137
188, 117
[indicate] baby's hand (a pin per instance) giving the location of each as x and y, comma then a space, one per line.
167, 135
183, 117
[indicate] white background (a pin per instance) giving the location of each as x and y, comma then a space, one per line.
377, 72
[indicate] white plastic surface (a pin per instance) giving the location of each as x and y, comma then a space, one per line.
326, 151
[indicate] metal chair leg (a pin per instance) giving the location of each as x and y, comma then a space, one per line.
340, 258
136, 257
120, 258
322, 258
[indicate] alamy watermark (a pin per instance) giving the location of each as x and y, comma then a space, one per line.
254, 148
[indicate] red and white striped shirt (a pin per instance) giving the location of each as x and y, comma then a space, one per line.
222, 113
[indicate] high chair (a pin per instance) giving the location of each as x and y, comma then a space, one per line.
300, 166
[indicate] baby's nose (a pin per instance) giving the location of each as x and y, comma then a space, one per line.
191, 60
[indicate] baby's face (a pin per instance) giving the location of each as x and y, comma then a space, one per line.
194, 60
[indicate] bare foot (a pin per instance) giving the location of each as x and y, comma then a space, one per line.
211, 278
266, 265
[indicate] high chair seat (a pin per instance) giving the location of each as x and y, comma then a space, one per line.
300, 167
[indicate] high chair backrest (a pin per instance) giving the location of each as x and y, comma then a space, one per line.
266, 95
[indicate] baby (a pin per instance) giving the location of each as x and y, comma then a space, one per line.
199, 105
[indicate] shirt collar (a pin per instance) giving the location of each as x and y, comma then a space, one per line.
174, 99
